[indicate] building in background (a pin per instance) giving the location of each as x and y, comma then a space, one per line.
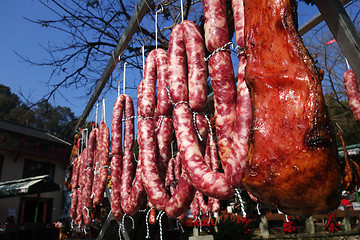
32, 169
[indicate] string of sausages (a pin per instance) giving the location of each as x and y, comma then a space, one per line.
171, 184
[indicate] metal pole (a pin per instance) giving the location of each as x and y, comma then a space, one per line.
314, 21
343, 30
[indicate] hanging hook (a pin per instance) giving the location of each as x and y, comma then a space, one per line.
156, 29
143, 57
124, 77
182, 10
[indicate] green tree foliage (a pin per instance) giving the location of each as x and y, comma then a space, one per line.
58, 121
12, 109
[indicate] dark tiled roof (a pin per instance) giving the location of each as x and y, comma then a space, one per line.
31, 132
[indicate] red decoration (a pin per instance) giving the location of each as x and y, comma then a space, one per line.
21, 143
332, 225
330, 42
52, 150
288, 226
37, 147
245, 223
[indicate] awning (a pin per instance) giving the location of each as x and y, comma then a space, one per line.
38, 184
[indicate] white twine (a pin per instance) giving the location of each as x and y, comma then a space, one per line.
258, 209
210, 129
119, 231
200, 226
286, 217
194, 113
172, 148
147, 223
209, 214
160, 224
237, 191
129, 118
224, 48
135, 157
195, 126
178, 223
97, 173
88, 211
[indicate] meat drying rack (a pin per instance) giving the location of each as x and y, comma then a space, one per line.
332, 11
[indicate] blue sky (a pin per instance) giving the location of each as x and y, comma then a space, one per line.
25, 38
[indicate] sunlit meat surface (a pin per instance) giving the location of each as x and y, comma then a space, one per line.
293, 155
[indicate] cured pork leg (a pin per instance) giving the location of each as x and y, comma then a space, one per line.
293, 156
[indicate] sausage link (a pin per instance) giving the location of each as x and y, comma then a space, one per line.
238, 161
184, 192
194, 208
115, 166
116, 161
223, 81
80, 203
132, 201
74, 202
163, 102
201, 202
152, 179
170, 173
177, 65
116, 125
164, 137
197, 70
75, 173
103, 163
177, 167
353, 93
202, 177
164, 124
132, 195
129, 132
221, 74
89, 169
239, 21
181, 198
216, 25
96, 164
